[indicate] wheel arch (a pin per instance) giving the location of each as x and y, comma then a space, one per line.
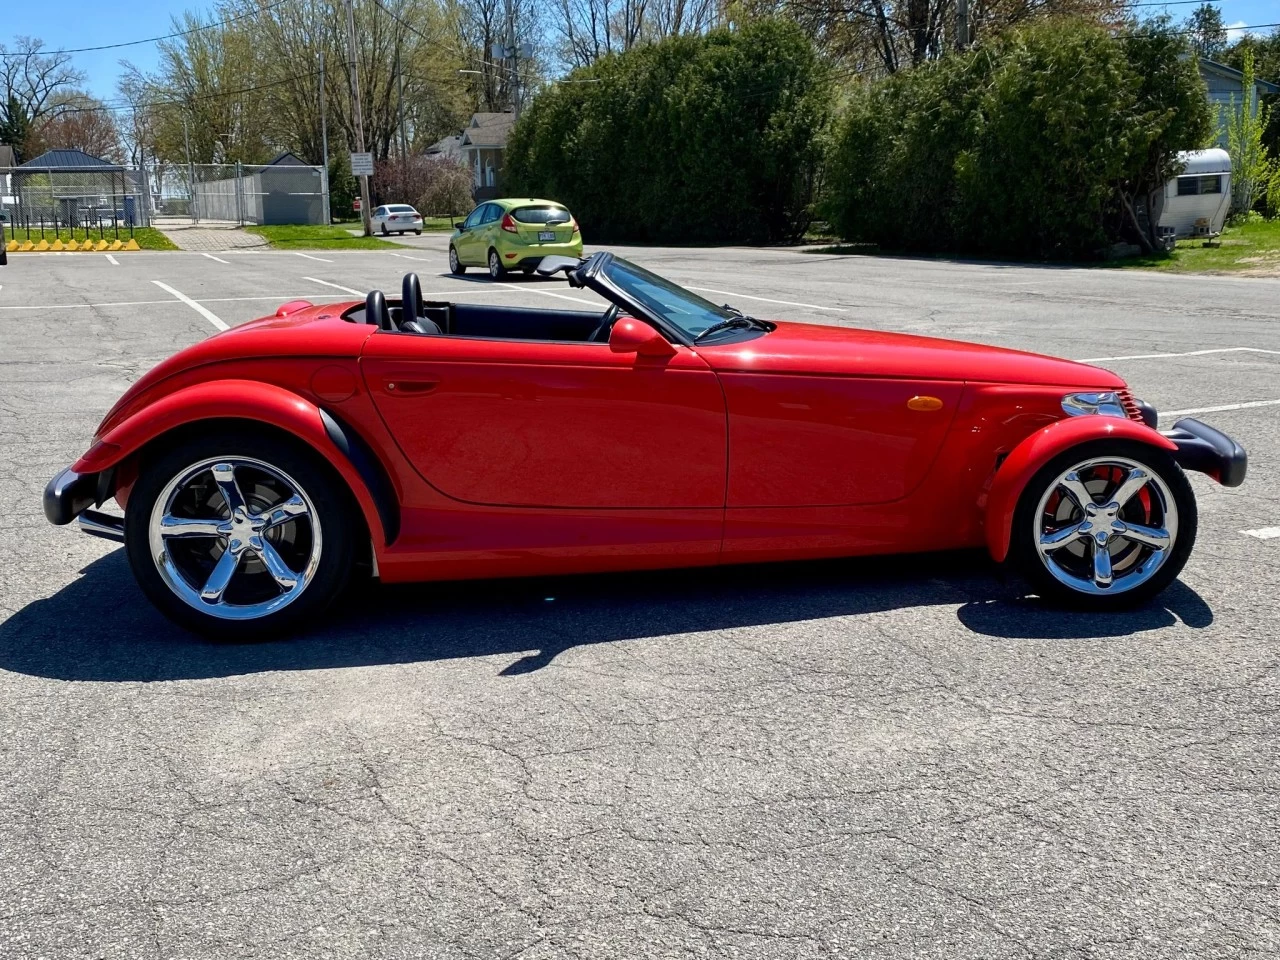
257, 406
1026, 459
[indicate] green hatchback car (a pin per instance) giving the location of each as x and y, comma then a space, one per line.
514, 234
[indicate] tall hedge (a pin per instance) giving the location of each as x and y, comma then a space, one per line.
1045, 144
697, 138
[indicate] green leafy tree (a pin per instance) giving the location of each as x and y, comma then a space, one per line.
1266, 61
1053, 141
713, 137
1207, 31
1251, 165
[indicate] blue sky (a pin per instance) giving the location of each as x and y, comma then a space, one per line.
93, 24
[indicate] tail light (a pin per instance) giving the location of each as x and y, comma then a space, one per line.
509, 224
574, 224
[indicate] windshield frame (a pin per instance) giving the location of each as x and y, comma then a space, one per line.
598, 273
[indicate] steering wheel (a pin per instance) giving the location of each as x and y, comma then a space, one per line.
376, 312
601, 333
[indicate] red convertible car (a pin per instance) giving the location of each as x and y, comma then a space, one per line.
426, 441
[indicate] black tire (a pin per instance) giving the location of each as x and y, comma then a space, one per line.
496, 270
417, 233
1025, 558
456, 266
332, 501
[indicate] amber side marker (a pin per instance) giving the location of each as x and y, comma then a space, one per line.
924, 403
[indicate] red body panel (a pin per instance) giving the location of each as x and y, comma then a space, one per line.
513, 457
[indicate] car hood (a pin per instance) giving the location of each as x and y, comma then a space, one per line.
298, 329
807, 348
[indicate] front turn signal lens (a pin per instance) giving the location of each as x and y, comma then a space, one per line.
924, 404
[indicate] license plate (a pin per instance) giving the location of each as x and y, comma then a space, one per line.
546, 235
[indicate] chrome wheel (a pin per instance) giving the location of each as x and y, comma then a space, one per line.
1105, 525
453, 260
235, 538
495, 265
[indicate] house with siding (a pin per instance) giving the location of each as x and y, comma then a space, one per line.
1226, 93
484, 141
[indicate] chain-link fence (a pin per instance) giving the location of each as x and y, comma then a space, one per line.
241, 193
99, 200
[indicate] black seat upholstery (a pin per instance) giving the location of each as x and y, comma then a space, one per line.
421, 325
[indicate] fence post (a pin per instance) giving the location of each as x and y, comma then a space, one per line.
239, 193
324, 193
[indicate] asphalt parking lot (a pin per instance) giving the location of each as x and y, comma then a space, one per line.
881, 759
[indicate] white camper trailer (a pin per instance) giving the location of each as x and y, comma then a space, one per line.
1196, 200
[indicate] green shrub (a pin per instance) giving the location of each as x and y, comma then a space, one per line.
1044, 144
712, 138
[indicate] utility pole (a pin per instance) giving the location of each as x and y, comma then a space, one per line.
962, 24
191, 174
324, 142
513, 52
404, 141
357, 117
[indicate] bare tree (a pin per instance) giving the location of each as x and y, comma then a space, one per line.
33, 85
591, 29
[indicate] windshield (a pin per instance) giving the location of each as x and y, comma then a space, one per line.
673, 303
401, 208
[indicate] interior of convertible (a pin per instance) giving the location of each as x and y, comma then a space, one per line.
440, 318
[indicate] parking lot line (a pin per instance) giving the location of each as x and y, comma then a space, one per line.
548, 293
1188, 353
336, 286
219, 259
744, 296
310, 257
203, 311
113, 259
405, 256
1265, 533
1250, 405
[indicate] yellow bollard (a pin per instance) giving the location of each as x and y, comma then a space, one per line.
115, 245
102, 245
86, 245
132, 245
11, 246
57, 245
27, 246
42, 246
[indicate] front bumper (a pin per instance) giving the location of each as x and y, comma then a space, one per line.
69, 495
1206, 450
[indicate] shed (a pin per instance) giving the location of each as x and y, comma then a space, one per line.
1196, 200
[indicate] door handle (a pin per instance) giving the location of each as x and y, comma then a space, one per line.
410, 386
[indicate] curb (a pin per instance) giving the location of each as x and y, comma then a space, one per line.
71, 246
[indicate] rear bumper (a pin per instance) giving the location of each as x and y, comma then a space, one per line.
1206, 450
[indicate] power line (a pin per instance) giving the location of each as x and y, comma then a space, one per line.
185, 102
136, 43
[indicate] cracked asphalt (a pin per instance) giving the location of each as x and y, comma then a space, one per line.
903, 758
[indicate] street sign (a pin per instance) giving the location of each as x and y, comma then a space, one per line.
355, 204
362, 164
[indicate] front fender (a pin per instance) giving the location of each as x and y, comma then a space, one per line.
1038, 449
236, 400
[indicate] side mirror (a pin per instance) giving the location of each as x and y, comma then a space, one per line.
635, 336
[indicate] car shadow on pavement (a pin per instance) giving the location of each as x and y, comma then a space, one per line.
100, 627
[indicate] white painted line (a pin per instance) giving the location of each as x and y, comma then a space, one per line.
405, 256
310, 257
1265, 533
113, 259
336, 286
277, 298
203, 311
789, 303
548, 293
1252, 404
212, 257
1189, 353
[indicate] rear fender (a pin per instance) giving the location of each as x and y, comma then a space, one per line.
262, 403
1038, 449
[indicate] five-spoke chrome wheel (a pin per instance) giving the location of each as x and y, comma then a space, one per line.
1105, 525
235, 538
